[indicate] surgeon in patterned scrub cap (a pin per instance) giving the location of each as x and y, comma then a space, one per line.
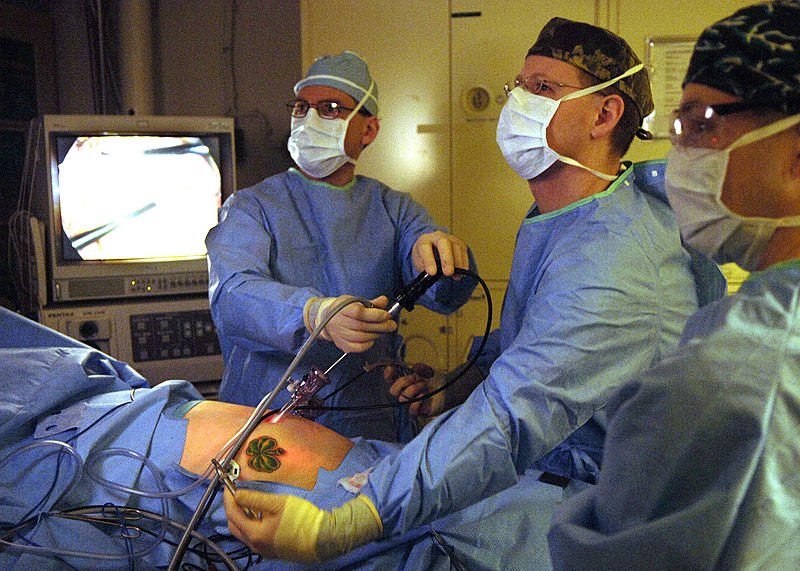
700, 465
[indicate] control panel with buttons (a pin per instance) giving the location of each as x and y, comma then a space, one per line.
162, 339
174, 335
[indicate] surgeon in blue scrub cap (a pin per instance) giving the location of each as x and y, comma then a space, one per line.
288, 249
600, 289
701, 459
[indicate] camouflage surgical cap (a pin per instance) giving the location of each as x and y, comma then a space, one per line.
599, 53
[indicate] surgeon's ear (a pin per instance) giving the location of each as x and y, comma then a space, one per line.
371, 128
609, 114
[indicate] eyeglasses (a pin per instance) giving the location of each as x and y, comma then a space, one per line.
326, 109
536, 86
704, 126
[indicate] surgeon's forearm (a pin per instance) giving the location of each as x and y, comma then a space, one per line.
262, 314
461, 457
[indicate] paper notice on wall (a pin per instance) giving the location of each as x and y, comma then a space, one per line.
667, 62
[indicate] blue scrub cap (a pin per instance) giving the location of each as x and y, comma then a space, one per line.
346, 72
753, 54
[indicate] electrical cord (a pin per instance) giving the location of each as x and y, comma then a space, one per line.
20, 253
83, 514
81, 466
163, 518
449, 551
125, 518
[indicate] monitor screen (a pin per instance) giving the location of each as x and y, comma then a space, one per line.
137, 197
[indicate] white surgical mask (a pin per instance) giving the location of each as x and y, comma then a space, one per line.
694, 181
317, 144
522, 130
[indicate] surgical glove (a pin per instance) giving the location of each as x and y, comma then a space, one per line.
452, 251
418, 382
461, 382
355, 328
294, 529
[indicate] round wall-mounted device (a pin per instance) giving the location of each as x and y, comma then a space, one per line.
476, 99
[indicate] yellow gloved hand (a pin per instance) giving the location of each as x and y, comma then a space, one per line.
294, 529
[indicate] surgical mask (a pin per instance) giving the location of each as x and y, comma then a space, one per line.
522, 130
317, 144
694, 180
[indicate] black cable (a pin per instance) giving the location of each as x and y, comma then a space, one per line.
82, 514
202, 550
343, 385
236, 554
216, 555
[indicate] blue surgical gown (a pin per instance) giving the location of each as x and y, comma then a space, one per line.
701, 461
289, 239
599, 291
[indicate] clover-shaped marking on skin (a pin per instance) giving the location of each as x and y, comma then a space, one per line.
263, 452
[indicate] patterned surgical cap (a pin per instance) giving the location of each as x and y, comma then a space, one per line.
753, 54
599, 53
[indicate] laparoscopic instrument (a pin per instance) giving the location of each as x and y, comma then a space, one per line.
303, 393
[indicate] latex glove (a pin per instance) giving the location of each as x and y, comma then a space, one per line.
294, 529
419, 381
355, 328
452, 253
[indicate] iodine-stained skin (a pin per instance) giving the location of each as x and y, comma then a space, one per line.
289, 452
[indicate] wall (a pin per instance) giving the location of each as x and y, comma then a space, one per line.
428, 57
237, 58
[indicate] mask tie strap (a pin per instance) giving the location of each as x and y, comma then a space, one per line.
355, 110
765, 131
601, 86
752, 137
587, 91
363, 100
573, 162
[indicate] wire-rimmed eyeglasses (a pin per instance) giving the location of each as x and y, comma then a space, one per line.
536, 86
325, 109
